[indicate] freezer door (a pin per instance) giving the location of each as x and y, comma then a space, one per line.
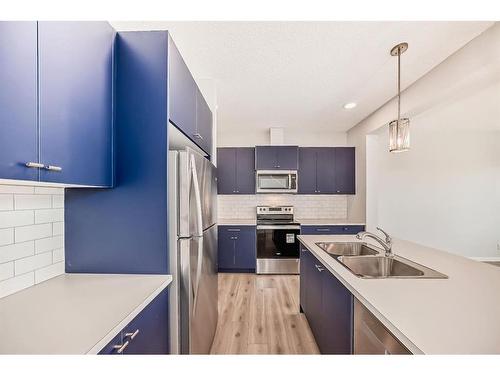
198, 292
197, 194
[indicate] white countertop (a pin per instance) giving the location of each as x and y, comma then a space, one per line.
327, 222
237, 222
458, 315
299, 220
74, 313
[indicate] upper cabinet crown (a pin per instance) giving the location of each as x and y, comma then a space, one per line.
188, 110
57, 101
276, 157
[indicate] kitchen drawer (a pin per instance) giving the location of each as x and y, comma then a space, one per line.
331, 229
147, 333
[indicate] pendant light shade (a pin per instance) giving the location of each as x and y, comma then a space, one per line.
399, 129
399, 135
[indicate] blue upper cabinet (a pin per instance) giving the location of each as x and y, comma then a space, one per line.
203, 133
316, 170
326, 170
345, 164
235, 170
277, 157
182, 93
76, 101
18, 100
188, 110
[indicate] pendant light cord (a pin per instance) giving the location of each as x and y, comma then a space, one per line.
399, 86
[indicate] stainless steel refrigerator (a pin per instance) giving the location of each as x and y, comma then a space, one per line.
193, 252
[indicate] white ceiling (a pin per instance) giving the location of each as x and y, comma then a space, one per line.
298, 75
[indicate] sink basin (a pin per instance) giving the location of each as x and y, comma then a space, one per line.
381, 267
347, 248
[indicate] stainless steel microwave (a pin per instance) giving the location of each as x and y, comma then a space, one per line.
276, 181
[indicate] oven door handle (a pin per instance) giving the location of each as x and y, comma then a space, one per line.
295, 227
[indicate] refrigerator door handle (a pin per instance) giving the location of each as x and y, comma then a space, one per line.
199, 265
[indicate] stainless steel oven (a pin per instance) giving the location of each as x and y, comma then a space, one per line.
278, 249
276, 181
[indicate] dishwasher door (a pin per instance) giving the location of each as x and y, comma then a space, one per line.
371, 336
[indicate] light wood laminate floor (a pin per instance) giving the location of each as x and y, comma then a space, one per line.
259, 314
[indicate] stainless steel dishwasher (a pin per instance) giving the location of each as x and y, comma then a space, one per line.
371, 336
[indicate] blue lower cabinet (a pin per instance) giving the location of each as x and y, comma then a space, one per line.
328, 306
237, 248
331, 229
147, 333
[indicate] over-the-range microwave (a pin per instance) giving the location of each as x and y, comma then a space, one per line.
276, 181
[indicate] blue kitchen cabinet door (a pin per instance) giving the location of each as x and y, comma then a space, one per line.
277, 157
246, 248
237, 248
305, 265
345, 165
203, 133
245, 170
226, 248
76, 101
307, 171
18, 100
325, 170
336, 317
226, 170
236, 170
150, 328
314, 296
182, 93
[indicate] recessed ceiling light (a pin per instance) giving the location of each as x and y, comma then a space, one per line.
350, 105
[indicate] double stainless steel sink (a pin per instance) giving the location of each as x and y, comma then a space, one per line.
367, 262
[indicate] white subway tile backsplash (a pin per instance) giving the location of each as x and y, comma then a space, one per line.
32, 232
16, 251
49, 244
49, 272
6, 270
16, 189
49, 190
306, 206
58, 228
9, 219
15, 284
58, 201
32, 202
49, 216
31, 236
6, 236
6, 202
32, 263
57, 255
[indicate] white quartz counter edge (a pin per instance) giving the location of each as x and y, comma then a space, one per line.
332, 266
111, 334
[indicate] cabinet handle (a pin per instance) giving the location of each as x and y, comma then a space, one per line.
198, 135
322, 229
233, 230
53, 168
303, 250
338, 191
120, 348
319, 268
32, 164
132, 334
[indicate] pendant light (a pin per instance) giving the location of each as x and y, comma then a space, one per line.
399, 130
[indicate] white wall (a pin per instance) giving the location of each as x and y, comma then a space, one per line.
31, 236
444, 192
300, 137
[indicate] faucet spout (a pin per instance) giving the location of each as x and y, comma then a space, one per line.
386, 244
